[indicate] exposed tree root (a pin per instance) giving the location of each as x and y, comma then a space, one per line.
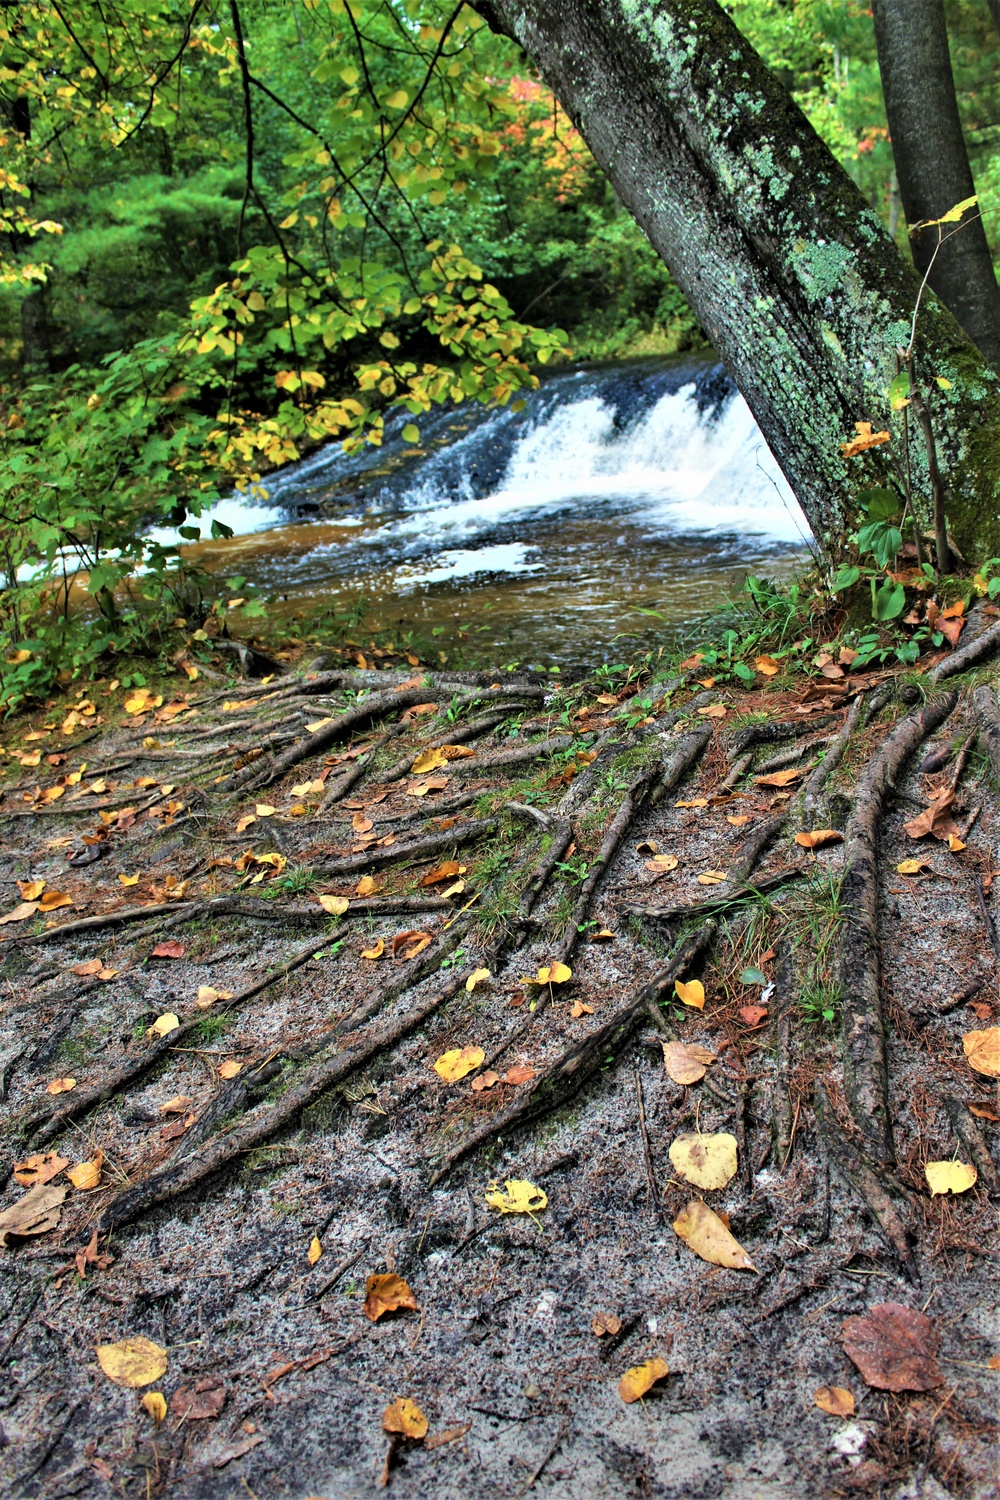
982, 645
835, 752
221, 1151
988, 720
459, 734
770, 734
865, 1071
416, 849
868, 1182
747, 890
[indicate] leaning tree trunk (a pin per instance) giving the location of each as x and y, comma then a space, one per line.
791, 274
932, 164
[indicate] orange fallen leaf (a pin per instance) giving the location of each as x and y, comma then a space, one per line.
780, 778
53, 900
447, 871
982, 1048
376, 952
521, 1073
407, 945
92, 966
30, 889
60, 1085
714, 711
835, 1400
692, 993
485, 1081
384, 1294
712, 877
818, 837
359, 823
767, 666
41, 1167
753, 1015
741, 821
604, 1323
579, 1009
405, 1417
168, 949
694, 802
86, 1175
641, 1378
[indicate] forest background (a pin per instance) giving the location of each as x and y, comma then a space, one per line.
172, 322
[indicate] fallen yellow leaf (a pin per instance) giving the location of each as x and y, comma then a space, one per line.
579, 1009
692, 993
164, 1025
818, 838
835, 1400
265, 810
767, 666
704, 1233
244, 822
230, 1068
458, 1062
335, 905
129, 879
706, 1161
517, 1196
712, 877
30, 889
134, 1362
661, 864
955, 845
155, 1404
366, 886
404, 1416
865, 439
86, 1175
982, 1048
53, 900
429, 760
552, 974
636, 1382
780, 778
911, 866
376, 952
208, 994
315, 1250
949, 1177
60, 1085
476, 977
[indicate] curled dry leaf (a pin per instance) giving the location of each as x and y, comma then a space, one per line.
712, 877
895, 1348
662, 864
835, 1400
132, 1362
476, 977
199, 1402
714, 711
169, 949
753, 1015
706, 1161
605, 1323
579, 1009
641, 1378
230, 1068
982, 1048
686, 1062
60, 1085
936, 820
92, 966
912, 866
818, 837
366, 886
691, 993
704, 1232
407, 945
175, 1106
385, 1294
376, 952
447, 871
485, 1081
447, 1435
865, 439
405, 1417
605, 935
164, 1025
767, 666
155, 1403
949, 1177
36, 1213
361, 824
648, 846
86, 1175
30, 889
517, 1196
334, 905
40, 1168
208, 994
459, 1061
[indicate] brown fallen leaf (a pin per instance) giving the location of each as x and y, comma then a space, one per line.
385, 1294
714, 711
781, 778
982, 1048
405, 1417
662, 864
40, 1168
448, 1435
936, 820
132, 1362
171, 948
895, 1348
982, 1112
175, 1106
230, 1068
835, 1400
704, 1232
605, 1323
818, 837
712, 877
521, 1073
60, 1085
20, 913
753, 1015
767, 666
86, 1175
686, 1062
198, 1402
36, 1213
636, 1382
485, 1081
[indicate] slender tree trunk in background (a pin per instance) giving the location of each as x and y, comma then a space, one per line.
994, 6
35, 336
791, 274
932, 164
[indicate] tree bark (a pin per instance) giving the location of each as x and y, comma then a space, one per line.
932, 164
994, 6
789, 271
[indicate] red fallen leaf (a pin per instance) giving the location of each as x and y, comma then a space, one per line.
895, 1348
981, 1010
205, 1398
753, 1014
170, 949
950, 629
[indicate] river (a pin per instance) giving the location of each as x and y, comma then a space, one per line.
622, 505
